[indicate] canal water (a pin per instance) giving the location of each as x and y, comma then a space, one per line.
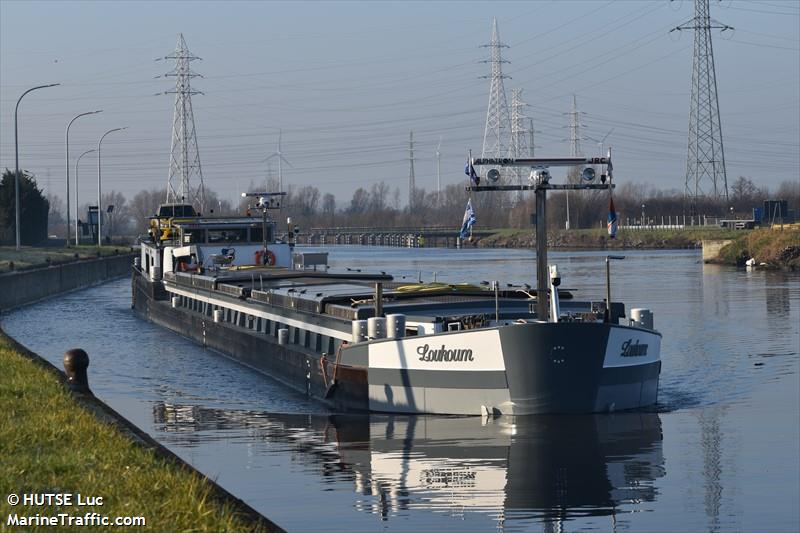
720, 452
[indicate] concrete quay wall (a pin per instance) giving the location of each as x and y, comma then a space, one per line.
28, 286
712, 247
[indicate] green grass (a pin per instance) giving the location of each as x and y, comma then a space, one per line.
49, 443
780, 248
696, 232
597, 238
31, 257
508, 232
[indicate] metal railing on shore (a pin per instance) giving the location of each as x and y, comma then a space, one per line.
417, 230
649, 227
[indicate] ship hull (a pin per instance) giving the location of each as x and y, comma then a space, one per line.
518, 369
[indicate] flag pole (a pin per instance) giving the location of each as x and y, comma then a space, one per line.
469, 158
471, 166
613, 220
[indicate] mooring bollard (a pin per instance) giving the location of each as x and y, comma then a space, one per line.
76, 361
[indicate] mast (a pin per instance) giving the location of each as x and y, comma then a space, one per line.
541, 184
266, 201
541, 253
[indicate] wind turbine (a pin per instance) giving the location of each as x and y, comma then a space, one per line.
268, 178
281, 159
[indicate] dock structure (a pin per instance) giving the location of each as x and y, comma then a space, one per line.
404, 237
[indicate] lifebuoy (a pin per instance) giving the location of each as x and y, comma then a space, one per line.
270, 258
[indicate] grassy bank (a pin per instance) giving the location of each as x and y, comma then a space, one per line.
33, 257
598, 238
49, 442
775, 248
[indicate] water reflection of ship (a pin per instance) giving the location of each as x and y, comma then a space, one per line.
544, 467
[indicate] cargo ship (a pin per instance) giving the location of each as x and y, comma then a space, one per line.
361, 341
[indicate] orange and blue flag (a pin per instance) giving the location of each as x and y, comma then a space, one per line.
612, 219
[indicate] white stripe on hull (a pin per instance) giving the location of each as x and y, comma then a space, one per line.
447, 356
472, 350
249, 310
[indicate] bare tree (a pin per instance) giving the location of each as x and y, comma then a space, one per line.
121, 219
379, 206
306, 200
789, 191
378, 194
743, 189
217, 207
145, 204
359, 203
328, 204
56, 221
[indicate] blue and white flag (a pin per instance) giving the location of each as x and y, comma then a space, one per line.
469, 170
469, 220
612, 219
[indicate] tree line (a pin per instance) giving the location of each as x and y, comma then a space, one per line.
380, 205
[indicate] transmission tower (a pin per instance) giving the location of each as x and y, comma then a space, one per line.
411, 179
574, 130
574, 150
496, 135
531, 132
705, 162
519, 137
184, 164
574, 138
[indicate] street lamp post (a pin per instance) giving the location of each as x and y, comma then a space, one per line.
99, 191
16, 159
66, 149
78, 205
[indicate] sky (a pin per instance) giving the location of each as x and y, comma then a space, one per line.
345, 83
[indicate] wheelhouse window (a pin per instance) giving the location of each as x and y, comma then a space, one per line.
194, 236
256, 234
176, 210
227, 235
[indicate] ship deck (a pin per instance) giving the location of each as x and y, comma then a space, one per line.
350, 295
